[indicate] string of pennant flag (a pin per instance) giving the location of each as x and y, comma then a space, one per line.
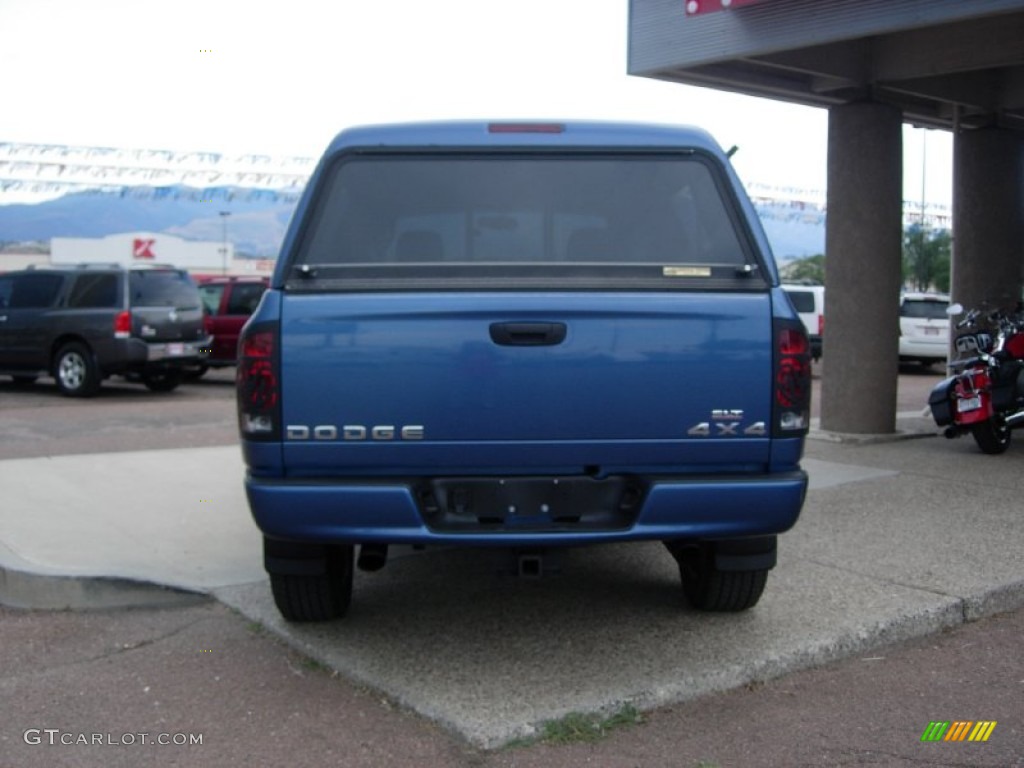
50, 170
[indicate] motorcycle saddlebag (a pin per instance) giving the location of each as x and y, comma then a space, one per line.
941, 401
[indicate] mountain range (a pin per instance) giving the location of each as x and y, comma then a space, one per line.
258, 220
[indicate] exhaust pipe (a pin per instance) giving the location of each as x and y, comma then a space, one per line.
951, 433
1015, 420
372, 557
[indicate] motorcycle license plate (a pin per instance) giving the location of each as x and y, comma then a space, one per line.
968, 404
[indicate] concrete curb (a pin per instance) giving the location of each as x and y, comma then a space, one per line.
49, 592
909, 426
855, 439
1000, 599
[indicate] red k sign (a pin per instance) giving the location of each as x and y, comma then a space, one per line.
697, 7
143, 249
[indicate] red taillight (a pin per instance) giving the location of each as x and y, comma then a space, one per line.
793, 341
525, 128
258, 386
821, 325
791, 383
257, 345
792, 380
123, 325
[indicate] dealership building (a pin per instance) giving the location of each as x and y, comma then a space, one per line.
954, 65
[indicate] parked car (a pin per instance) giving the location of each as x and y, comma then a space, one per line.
83, 324
809, 302
924, 328
227, 304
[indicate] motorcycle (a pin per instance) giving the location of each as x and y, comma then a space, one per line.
985, 393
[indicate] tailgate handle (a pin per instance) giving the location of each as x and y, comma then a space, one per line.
527, 334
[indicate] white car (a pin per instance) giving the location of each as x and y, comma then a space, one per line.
809, 302
924, 328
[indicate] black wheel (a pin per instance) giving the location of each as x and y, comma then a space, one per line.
75, 371
316, 596
24, 381
709, 589
161, 381
992, 436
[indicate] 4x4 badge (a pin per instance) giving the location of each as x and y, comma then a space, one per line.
727, 422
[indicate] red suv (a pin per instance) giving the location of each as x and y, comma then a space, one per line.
227, 304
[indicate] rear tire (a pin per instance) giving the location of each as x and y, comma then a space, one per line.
316, 597
161, 381
75, 370
992, 436
710, 589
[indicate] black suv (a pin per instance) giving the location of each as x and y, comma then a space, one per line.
83, 324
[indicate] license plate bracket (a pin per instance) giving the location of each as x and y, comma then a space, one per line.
471, 504
965, 404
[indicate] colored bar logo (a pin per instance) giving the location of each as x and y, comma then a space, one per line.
958, 730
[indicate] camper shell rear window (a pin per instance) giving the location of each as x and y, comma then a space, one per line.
524, 219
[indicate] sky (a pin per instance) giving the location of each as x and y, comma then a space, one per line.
283, 78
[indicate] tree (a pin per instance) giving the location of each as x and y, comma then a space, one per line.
926, 258
810, 269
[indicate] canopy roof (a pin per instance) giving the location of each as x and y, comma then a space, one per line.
939, 61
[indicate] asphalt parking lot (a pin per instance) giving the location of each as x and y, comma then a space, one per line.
898, 541
37, 421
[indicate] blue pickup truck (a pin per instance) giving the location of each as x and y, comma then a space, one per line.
529, 336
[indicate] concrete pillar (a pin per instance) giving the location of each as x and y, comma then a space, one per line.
863, 256
988, 217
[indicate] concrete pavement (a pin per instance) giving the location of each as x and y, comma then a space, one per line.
897, 540
175, 518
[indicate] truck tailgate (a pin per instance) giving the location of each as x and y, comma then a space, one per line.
417, 384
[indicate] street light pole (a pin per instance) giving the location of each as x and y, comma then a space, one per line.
921, 233
924, 169
224, 248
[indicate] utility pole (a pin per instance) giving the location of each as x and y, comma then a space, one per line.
224, 248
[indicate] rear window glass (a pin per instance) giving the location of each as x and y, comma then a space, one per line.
244, 298
924, 309
211, 295
803, 301
537, 210
163, 288
94, 292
